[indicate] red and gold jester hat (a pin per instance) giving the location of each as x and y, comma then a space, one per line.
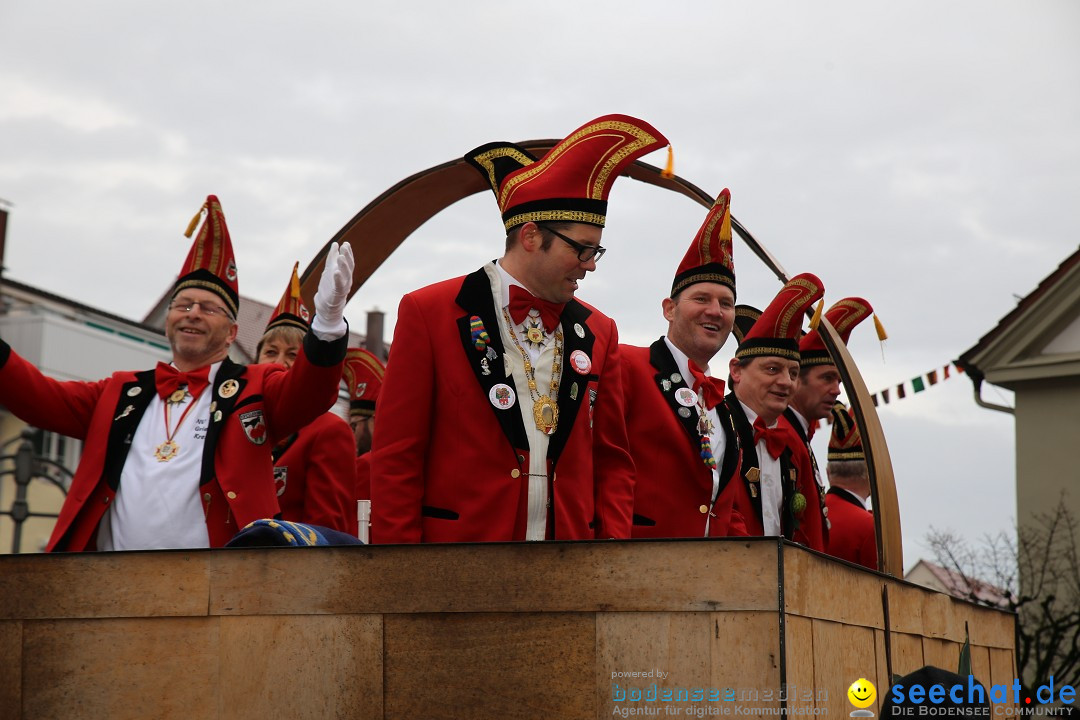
776, 332
290, 310
843, 316
210, 263
572, 181
363, 374
709, 257
845, 443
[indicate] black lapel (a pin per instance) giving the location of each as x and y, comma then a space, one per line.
134, 398
667, 370
476, 300
231, 373
794, 420
577, 335
745, 432
733, 449
789, 482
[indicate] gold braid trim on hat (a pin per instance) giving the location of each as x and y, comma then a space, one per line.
703, 277
556, 216
810, 360
754, 352
484, 159
834, 456
606, 163
212, 287
796, 308
856, 313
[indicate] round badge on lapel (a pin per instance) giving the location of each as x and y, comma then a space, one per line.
132, 392
676, 377
580, 362
228, 388
684, 412
579, 331
686, 397
502, 396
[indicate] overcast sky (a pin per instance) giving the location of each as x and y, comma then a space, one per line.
924, 155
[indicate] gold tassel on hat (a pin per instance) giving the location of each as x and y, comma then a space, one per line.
669, 170
816, 320
294, 285
195, 221
881, 334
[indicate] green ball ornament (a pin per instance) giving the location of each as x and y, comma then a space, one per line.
798, 503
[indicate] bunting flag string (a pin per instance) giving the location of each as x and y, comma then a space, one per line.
916, 384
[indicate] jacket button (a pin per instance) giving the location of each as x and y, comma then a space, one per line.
521, 458
704, 509
206, 497
231, 495
105, 499
515, 473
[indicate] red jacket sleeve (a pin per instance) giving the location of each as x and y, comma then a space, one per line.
613, 467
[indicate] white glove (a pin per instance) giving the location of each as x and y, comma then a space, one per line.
334, 285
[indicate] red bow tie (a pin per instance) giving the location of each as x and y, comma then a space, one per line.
522, 301
775, 437
167, 379
711, 389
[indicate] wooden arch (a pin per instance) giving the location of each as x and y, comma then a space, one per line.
384, 224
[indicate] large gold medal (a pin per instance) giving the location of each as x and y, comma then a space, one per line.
166, 451
546, 415
534, 335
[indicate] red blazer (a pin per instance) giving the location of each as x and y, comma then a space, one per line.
448, 466
673, 491
315, 475
236, 486
805, 527
852, 536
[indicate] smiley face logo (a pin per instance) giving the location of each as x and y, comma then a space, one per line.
862, 693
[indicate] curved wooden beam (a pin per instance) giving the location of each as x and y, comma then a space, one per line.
384, 223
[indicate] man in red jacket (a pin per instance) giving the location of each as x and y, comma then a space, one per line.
501, 415
314, 471
852, 536
179, 456
764, 372
682, 437
818, 386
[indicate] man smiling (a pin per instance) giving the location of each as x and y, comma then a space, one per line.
501, 412
682, 438
764, 372
179, 456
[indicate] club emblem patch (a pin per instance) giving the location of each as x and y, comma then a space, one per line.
281, 478
254, 426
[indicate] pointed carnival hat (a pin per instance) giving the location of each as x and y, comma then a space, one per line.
843, 316
572, 181
363, 374
845, 443
776, 332
709, 257
210, 263
290, 310
745, 317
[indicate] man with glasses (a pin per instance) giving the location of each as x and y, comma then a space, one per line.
682, 437
501, 412
179, 456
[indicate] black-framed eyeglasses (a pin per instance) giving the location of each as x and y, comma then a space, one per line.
585, 253
205, 308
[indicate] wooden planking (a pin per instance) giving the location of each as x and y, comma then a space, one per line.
11, 660
461, 665
882, 679
907, 653
941, 653
1003, 671
842, 655
687, 575
811, 584
325, 666
84, 585
920, 611
120, 669
799, 653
